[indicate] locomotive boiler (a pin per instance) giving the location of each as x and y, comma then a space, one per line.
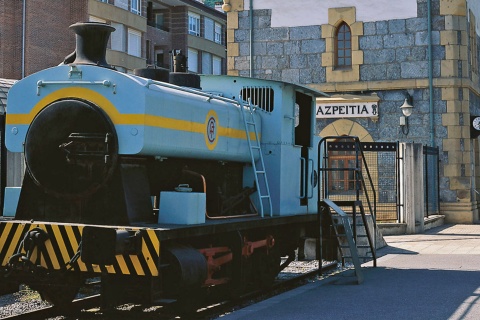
160, 187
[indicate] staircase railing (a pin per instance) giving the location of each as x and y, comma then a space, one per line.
360, 183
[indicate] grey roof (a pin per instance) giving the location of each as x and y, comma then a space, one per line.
5, 85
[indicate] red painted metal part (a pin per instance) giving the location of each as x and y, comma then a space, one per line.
216, 257
250, 246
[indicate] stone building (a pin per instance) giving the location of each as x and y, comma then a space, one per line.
381, 53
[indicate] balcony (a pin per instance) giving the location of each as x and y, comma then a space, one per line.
153, 24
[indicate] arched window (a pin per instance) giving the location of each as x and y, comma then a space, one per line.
343, 46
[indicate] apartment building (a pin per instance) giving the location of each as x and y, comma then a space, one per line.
187, 25
34, 34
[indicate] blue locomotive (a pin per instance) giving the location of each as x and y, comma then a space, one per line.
162, 186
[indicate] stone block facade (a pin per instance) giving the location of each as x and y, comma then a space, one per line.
390, 57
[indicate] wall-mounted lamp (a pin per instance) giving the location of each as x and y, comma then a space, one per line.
407, 108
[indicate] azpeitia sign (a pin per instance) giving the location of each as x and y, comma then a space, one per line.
347, 107
333, 110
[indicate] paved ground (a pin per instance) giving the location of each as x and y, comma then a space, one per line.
425, 276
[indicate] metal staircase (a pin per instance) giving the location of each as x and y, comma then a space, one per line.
339, 216
260, 174
361, 232
343, 230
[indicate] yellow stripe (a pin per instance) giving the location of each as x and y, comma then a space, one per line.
137, 265
123, 265
57, 261
110, 269
71, 236
48, 248
82, 265
53, 257
3, 241
61, 245
118, 118
152, 266
15, 239
153, 237
175, 124
75, 244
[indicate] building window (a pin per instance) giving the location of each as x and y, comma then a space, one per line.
217, 65
206, 63
208, 28
192, 60
342, 181
134, 43
135, 6
343, 46
121, 4
218, 33
106, 1
160, 56
95, 19
159, 20
117, 39
194, 24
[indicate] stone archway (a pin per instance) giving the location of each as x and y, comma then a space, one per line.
344, 127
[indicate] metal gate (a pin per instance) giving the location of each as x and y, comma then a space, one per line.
383, 163
431, 181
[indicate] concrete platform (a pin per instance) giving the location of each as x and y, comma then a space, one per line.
434, 275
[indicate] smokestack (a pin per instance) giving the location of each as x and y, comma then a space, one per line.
91, 47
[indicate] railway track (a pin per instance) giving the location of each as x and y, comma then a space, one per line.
50, 311
295, 275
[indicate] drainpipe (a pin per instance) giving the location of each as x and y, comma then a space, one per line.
430, 74
23, 36
251, 38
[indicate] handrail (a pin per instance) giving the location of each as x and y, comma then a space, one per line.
374, 212
359, 178
350, 238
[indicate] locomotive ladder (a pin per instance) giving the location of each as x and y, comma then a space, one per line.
258, 166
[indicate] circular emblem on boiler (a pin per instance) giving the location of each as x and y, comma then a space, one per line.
211, 130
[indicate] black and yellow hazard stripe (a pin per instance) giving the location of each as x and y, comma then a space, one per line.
64, 241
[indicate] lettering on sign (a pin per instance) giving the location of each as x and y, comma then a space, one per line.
347, 110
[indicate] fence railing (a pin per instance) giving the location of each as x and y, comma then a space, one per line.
383, 162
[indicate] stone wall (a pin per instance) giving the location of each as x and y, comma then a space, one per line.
390, 58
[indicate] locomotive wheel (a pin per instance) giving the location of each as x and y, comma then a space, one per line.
62, 292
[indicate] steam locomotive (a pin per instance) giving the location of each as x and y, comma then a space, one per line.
161, 185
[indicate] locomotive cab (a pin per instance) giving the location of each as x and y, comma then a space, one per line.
287, 113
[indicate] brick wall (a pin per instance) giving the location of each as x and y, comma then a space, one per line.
47, 37
179, 27
10, 37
